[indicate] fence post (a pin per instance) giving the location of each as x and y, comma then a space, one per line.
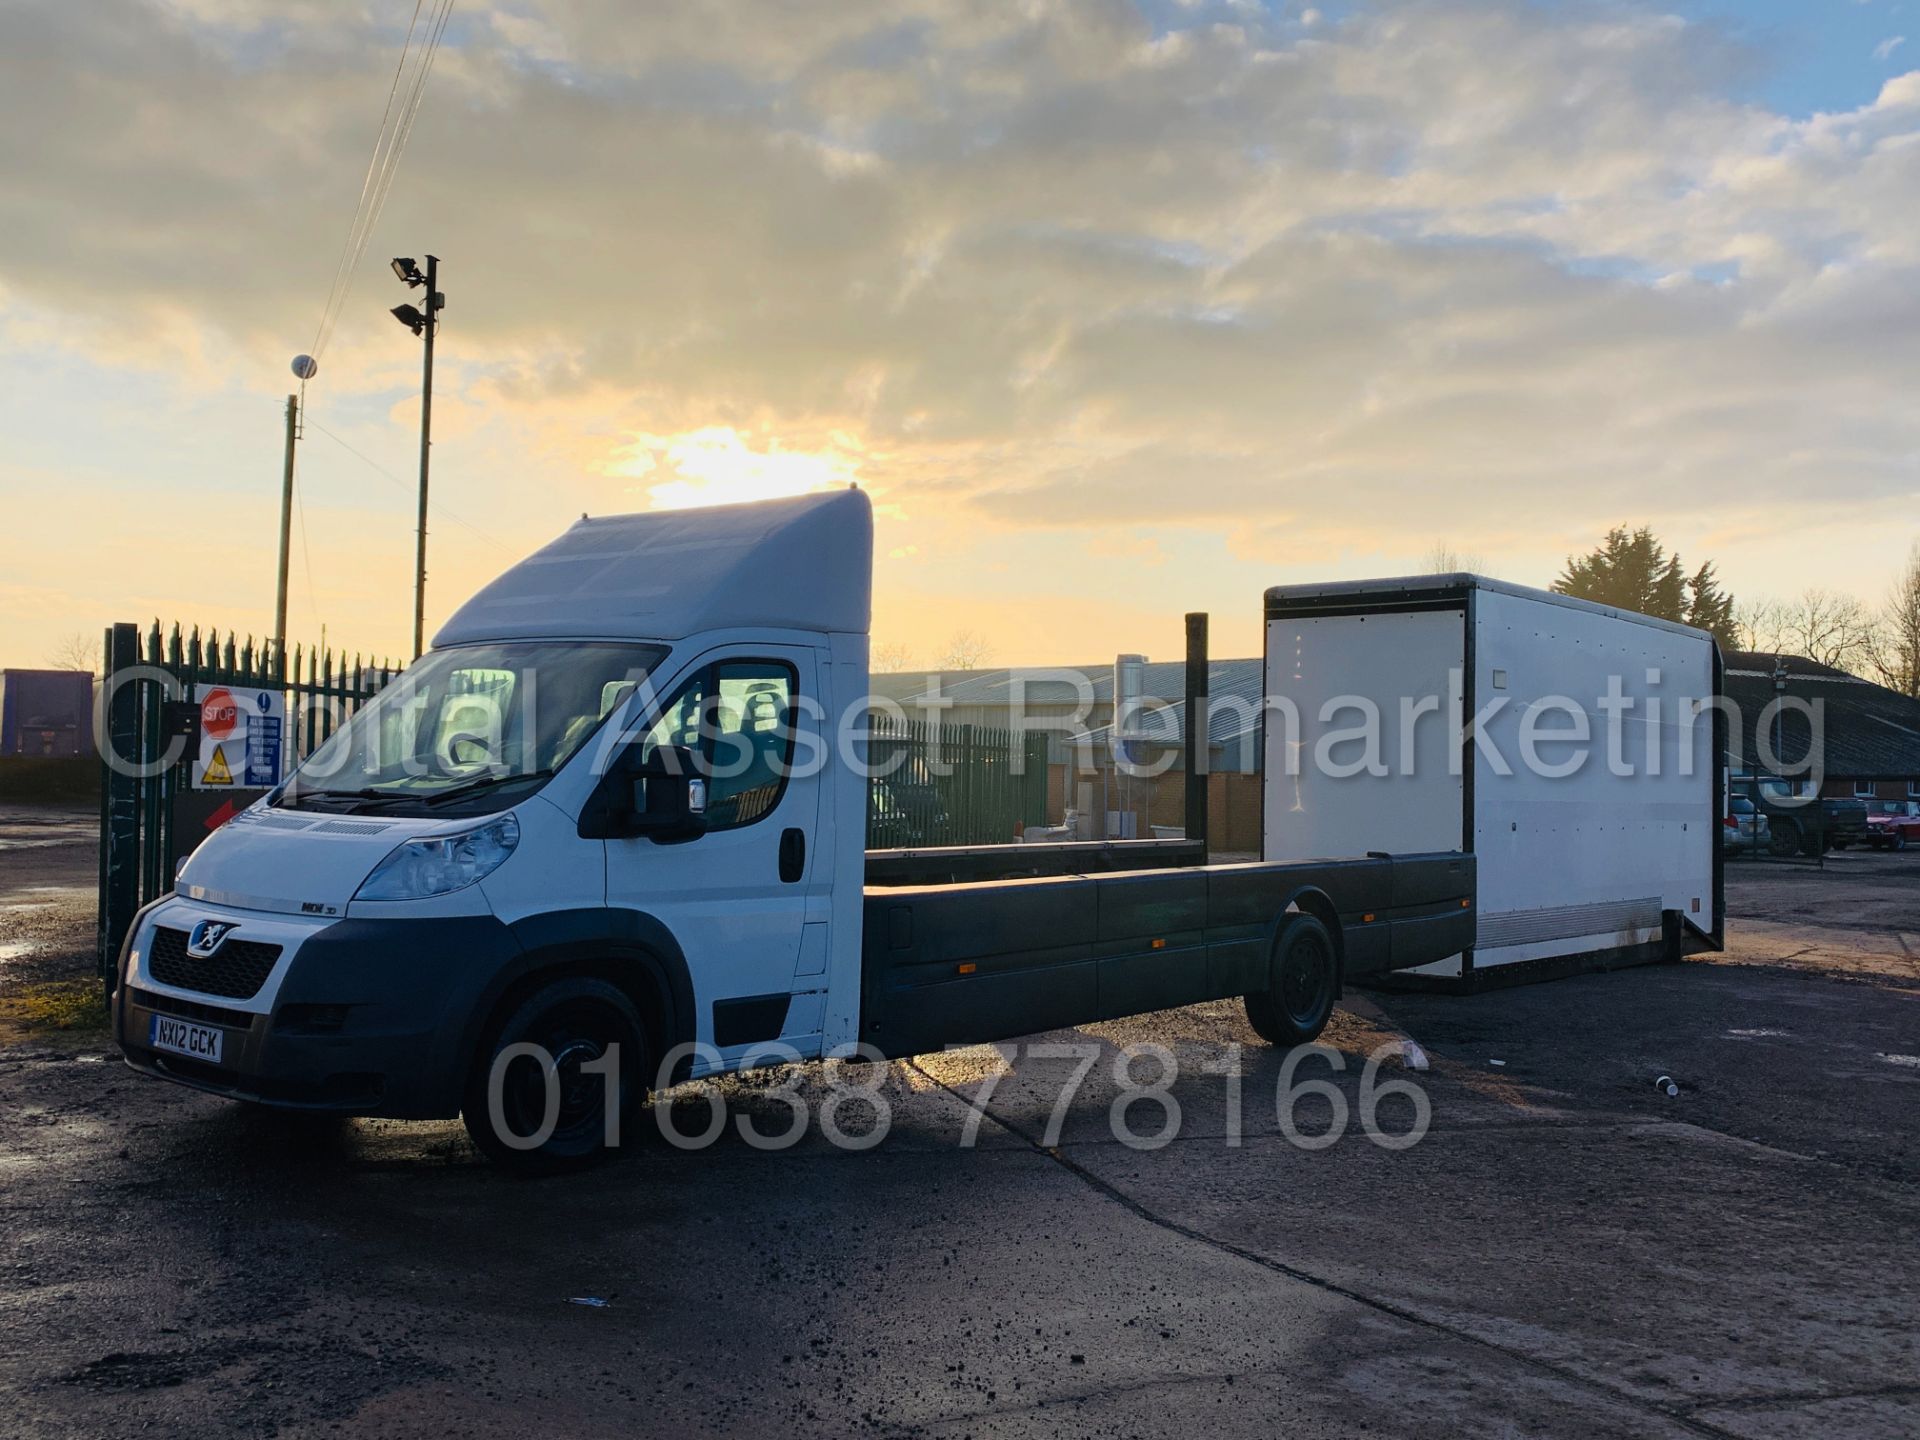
1034, 810
120, 834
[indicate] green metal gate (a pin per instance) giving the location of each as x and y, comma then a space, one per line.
137, 785
952, 785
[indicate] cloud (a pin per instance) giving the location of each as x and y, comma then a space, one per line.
1460, 266
1884, 50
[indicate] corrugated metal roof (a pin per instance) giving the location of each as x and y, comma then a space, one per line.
1868, 731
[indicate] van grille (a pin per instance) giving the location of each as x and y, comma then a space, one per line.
237, 969
188, 1009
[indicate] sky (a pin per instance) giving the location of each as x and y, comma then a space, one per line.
1117, 310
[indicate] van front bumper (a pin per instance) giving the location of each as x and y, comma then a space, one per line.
364, 1017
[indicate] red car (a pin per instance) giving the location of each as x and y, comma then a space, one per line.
1890, 826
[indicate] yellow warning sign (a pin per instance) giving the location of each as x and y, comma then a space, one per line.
217, 771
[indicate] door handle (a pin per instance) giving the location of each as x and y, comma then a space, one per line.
793, 855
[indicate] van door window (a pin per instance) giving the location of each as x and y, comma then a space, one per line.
737, 717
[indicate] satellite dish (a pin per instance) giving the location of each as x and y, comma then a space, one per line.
305, 366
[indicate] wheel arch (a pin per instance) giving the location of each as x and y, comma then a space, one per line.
1312, 900
627, 948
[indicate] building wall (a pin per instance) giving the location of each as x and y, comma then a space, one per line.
1233, 805
1881, 789
46, 712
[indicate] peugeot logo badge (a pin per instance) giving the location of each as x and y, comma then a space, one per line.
206, 937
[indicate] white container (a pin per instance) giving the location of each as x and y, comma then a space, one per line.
1577, 857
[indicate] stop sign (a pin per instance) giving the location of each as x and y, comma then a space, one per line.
218, 713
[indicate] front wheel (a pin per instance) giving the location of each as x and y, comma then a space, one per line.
1304, 973
1785, 840
560, 1073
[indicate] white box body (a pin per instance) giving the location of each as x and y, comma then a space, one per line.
1574, 859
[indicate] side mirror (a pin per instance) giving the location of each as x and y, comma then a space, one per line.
662, 797
667, 799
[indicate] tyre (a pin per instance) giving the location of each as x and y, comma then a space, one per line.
1786, 838
576, 1021
1304, 974
1899, 840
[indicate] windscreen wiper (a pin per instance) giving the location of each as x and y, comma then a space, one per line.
359, 797
485, 782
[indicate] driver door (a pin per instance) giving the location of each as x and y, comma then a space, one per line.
739, 896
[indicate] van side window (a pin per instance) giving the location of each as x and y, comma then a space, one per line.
738, 717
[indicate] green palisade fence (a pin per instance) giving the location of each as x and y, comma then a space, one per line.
146, 670
952, 785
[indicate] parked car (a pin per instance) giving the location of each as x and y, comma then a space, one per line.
1893, 824
1746, 831
1802, 824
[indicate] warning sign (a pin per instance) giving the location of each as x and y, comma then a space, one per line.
242, 735
218, 714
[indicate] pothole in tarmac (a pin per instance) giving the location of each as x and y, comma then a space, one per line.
147, 1370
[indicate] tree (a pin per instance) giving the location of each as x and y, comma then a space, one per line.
1442, 559
1760, 625
1631, 570
75, 652
1894, 649
1709, 607
965, 651
891, 657
1825, 626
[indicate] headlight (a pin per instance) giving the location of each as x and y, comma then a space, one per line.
437, 864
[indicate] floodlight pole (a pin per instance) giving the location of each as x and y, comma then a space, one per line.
432, 308
286, 537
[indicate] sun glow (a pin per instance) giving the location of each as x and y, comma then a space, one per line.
717, 466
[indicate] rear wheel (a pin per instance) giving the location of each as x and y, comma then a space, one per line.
567, 1026
1786, 838
1304, 974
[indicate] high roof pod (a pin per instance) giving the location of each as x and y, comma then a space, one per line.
804, 563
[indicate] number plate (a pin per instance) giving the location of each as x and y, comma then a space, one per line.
183, 1037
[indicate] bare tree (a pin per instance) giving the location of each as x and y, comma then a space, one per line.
1894, 650
965, 651
1442, 559
891, 657
1826, 626
75, 652
1760, 624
